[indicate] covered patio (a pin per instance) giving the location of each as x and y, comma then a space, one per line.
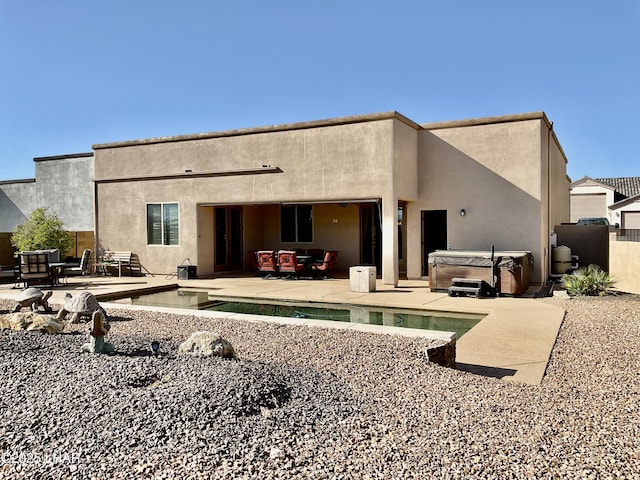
228, 234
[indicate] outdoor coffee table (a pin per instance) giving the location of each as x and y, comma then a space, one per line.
102, 267
56, 269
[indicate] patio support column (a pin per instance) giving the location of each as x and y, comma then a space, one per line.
390, 267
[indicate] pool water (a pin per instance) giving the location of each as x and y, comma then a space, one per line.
460, 323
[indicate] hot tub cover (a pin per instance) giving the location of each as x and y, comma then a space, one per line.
481, 258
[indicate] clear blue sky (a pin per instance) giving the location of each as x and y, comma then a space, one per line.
75, 73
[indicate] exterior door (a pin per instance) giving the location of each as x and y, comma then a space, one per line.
434, 235
228, 239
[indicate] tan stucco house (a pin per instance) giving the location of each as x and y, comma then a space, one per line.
381, 189
617, 199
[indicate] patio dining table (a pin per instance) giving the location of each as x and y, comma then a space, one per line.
305, 259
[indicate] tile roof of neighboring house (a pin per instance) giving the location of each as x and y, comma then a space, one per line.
627, 186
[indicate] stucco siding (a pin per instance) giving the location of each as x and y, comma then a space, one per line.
512, 150
253, 232
62, 185
317, 164
17, 201
405, 143
624, 265
203, 258
322, 164
65, 186
493, 172
335, 227
556, 202
560, 197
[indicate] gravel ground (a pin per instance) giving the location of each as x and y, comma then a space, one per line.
312, 403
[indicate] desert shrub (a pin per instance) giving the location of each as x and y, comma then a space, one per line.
590, 281
41, 231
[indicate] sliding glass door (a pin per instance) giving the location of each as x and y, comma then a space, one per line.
228, 238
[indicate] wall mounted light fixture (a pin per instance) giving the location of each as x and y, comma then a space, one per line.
463, 212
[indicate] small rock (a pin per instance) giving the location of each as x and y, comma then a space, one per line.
276, 453
206, 344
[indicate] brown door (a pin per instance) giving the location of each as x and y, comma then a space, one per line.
228, 239
434, 235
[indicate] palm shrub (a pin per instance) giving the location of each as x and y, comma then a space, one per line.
590, 281
42, 231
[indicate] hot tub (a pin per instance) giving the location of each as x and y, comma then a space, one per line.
511, 270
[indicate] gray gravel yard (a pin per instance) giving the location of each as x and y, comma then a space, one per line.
314, 403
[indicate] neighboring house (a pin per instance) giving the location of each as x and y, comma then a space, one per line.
62, 184
380, 188
617, 199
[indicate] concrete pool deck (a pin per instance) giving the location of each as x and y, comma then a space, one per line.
514, 341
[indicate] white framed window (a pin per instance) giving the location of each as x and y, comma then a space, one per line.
296, 223
163, 224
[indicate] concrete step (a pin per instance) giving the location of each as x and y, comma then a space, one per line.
458, 290
470, 286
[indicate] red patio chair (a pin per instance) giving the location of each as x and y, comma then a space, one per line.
253, 256
327, 265
288, 263
267, 262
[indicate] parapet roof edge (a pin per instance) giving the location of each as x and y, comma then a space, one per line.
372, 117
517, 117
62, 157
23, 180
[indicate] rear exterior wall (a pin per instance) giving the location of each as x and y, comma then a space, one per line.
318, 164
491, 171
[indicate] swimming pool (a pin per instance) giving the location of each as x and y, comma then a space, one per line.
460, 323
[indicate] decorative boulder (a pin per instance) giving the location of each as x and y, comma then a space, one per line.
206, 344
442, 353
31, 321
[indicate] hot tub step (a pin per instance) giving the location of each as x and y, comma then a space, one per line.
468, 286
454, 291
